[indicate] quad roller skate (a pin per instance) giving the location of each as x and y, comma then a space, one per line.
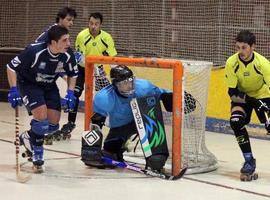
67, 129
37, 159
248, 171
25, 141
48, 139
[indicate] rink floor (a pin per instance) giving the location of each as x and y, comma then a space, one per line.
66, 177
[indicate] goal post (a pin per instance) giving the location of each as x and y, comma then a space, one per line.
177, 68
185, 125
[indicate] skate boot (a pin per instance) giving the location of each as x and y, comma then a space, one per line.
248, 170
37, 159
25, 141
57, 135
67, 129
48, 139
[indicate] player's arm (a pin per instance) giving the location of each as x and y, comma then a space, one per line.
265, 70
71, 81
14, 97
111, 51
12, 77
190, 102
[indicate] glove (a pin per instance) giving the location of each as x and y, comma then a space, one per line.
69, 101
14, 97
79, 58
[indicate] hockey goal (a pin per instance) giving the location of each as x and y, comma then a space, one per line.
185, 129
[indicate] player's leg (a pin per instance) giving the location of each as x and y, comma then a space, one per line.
39, 127
53, 103
240, 116
33, 99
70, 125
114, 144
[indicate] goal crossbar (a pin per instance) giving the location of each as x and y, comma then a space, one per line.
177, 68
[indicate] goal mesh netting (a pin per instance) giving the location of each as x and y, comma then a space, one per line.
201, 29
194, 152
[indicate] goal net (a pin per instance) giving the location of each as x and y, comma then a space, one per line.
185, 131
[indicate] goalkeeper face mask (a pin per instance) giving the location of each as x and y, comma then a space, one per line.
126, 87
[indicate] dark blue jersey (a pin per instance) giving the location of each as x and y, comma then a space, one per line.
43, 37
36, 64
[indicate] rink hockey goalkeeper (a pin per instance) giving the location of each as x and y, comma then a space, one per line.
126, 99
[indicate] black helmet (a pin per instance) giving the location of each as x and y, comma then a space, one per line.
123, 80
120, 73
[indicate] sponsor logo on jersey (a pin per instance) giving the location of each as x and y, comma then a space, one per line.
60, 67
246, 73
42, 65
25, 100
45, 78
151, 101
53, 60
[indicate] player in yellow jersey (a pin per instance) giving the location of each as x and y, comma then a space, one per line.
90, 41
247, 75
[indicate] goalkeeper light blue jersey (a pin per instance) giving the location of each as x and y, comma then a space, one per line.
36, 64
109, 104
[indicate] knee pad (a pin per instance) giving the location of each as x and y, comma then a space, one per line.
53, 128
237, 120
40, 127
156, 162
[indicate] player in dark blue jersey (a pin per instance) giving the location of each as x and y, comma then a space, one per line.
113, 102
65, 18
32, 77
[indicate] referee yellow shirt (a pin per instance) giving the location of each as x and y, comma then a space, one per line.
252, 78
102, 44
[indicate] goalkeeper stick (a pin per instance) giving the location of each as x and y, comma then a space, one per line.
19, 177
138, 169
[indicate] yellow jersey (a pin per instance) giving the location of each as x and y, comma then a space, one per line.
102, 44
252, 77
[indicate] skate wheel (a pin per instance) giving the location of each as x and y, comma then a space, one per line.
37, 169
248, 177
24, 155
255, 176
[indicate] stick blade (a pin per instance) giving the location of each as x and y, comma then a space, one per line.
180, 175
22, 179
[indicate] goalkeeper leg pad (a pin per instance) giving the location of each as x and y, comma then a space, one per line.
156, 162
91, 153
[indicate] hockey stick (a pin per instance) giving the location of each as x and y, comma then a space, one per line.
19, 177
148, 172
267, 118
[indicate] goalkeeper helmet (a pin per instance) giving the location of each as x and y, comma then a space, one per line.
123, 80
